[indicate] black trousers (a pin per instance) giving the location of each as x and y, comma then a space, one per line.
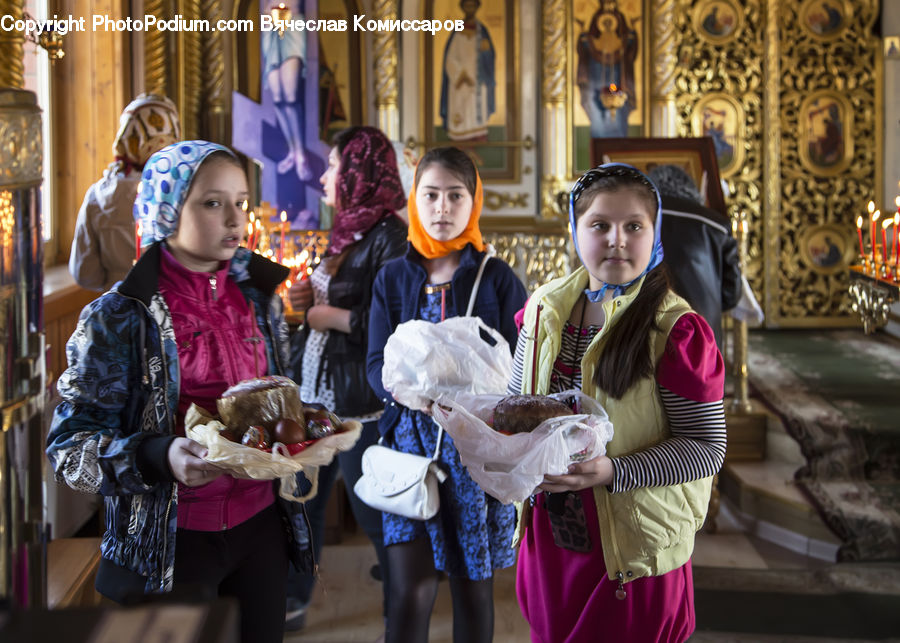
248, 562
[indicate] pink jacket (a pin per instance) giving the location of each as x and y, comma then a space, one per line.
217, 347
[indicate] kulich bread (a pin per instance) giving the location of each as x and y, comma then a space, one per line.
261, 401
523, 413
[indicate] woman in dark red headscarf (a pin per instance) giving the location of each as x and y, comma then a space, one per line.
363, 186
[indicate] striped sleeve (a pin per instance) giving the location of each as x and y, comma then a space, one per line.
695, 450
515, 380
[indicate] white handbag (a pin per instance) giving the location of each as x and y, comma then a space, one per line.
401, 483
404, 483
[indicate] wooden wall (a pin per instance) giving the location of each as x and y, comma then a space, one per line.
91, 85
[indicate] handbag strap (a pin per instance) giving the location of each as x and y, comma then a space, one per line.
490, 252
437, 445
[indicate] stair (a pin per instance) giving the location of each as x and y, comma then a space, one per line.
763, 499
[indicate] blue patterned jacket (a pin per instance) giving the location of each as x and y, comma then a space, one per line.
120, 393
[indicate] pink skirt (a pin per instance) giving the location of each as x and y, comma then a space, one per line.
567, 597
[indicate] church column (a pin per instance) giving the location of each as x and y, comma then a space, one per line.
12, 69
212, 125
771, 162
156, 75
385, 77
556, 136
662, 64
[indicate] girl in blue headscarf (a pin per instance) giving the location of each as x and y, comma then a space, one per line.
605, 549
195, 315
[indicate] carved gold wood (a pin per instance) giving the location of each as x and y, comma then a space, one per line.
557, 143
213, 57
386, 69
190, 69
155, 73
12, 67
847, 62
536, 257
735, 68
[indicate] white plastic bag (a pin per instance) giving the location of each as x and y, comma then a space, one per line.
423, 360
247, 462
510, 467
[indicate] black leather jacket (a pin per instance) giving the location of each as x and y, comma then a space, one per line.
702, 257
351, 288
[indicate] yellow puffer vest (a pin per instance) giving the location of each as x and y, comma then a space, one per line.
647, 531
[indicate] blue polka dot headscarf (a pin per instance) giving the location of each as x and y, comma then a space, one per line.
165, 183
627, 171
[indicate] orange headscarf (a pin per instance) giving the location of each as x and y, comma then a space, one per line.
431, 248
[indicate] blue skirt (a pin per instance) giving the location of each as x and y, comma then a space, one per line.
471, 535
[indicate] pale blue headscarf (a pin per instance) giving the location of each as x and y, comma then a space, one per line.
627, 171
165, 183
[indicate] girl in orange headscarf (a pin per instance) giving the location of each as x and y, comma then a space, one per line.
471, 534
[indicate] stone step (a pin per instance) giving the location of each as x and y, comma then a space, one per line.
761, 493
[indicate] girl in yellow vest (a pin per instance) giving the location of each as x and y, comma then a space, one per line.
605, 549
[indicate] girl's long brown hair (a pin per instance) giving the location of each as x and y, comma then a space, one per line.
627, 356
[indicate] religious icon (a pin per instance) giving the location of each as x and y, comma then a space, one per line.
718, 20
823, 18
826, 248
284, 65
721, 118
605, 76
468, 81
826, 144
280, 132
470, 94
892, 47
826, 128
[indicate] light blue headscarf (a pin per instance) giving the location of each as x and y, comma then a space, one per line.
165, 183
627, 171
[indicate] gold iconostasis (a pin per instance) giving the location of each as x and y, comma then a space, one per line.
788, 92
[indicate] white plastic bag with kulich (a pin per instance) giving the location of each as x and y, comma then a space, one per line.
510, 467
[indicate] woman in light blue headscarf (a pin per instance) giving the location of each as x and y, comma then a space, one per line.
195, 315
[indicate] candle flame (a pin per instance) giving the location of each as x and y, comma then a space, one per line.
887, 223
897, 201
859, 222
612, 87
871, 207
287, 284
245, 205
876, 215
252, 216
283, 216
897, 219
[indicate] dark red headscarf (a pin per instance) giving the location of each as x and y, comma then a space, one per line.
368, 187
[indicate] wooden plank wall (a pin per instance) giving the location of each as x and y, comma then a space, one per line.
90, 87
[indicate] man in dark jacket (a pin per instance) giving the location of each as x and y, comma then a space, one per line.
700, 251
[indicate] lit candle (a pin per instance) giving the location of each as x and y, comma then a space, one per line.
137, 240
283, 226
874, 214
896, 243
884, 227
862, 252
